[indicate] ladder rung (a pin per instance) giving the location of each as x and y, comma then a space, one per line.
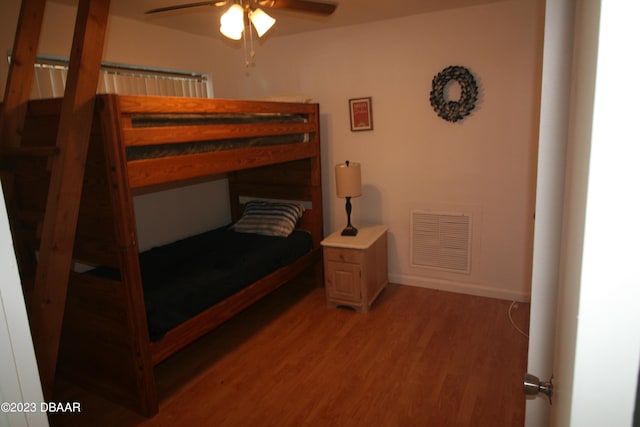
34, 151
33, 216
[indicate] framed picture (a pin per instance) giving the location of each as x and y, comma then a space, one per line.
360, 110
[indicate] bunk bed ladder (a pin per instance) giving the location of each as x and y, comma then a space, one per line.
46, 295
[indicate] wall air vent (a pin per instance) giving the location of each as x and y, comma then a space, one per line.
441, 241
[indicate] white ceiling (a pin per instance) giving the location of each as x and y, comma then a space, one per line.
205, 20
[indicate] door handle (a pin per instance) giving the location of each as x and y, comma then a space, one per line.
533, 386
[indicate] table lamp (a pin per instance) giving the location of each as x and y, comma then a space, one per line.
348, 185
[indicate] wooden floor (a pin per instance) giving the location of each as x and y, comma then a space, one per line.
418, 358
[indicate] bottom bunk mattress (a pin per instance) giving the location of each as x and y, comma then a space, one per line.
186, 277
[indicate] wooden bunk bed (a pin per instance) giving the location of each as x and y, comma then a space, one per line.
69, 180
105, 343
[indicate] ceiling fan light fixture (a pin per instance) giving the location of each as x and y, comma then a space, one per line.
230, 33
232, 22
261, 21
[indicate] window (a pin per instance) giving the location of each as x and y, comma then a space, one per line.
50, 76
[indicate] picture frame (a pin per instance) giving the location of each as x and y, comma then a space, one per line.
361, 117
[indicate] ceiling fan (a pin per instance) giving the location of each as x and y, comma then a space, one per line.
248, 13
324, 9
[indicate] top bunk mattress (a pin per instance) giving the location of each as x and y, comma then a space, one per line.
183, 121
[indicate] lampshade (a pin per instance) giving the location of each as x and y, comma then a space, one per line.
261, 21
348, 180
232, 22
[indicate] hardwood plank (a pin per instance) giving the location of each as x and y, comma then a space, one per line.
18, 87
124, 231
13, 111
167, 169
31, 152
133, 104
419, 357
46, 307
136, 137
98, 347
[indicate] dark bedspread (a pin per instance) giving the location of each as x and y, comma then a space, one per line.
184, 278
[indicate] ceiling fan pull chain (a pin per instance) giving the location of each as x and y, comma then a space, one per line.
244, 41
252, 54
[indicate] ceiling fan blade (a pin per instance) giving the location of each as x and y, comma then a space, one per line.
186, 6
301, 6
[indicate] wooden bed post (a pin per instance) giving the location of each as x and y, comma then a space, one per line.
16, 96
20, 76
46, 302
65, 188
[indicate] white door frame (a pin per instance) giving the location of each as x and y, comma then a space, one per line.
19, 379
597, 344
552, 146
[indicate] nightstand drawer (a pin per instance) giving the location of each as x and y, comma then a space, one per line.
343, 255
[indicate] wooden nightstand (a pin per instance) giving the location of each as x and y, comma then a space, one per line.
355, 267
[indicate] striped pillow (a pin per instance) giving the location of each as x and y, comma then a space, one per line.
269, 218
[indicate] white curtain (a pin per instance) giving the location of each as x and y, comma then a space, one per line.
49, 82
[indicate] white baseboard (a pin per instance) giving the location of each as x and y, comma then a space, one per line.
459, 287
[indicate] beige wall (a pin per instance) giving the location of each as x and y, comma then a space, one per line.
412, 159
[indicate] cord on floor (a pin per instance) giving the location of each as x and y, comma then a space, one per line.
513, 304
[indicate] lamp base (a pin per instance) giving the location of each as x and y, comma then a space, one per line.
350, 230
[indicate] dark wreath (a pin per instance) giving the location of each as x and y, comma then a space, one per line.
453, 111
